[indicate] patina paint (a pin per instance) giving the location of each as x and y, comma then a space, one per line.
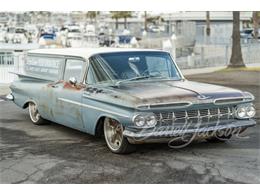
81, 106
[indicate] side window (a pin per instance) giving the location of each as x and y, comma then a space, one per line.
73, 68
90, 76
96, 72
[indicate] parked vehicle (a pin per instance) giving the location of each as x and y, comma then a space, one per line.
74, 37
248, 33
105, 40
47, 38
125, 41
154, 29
131, 96
16, 35
90, 30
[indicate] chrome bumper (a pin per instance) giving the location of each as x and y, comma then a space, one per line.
9, 97
164, 134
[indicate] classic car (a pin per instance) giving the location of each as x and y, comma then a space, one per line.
128, 96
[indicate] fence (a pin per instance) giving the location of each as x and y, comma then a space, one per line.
10, 62
216, 55
186, 57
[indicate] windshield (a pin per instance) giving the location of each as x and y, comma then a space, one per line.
130, 66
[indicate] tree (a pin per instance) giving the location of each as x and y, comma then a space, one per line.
123, 14
236, 55
92, 15
208, 23
256, 20
145, 21
126, 14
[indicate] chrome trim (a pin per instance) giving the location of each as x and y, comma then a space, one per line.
245, 106
10, 97
231, 98
250, 96
92, 107
229, 113
150, 136
176, 66
199, 114
171, 104
133, 118
145, 117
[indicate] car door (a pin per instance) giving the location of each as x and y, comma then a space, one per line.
68, 96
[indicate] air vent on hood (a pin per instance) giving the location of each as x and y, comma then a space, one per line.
228, 100
165, 105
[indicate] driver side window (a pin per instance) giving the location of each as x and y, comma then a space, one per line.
96, 72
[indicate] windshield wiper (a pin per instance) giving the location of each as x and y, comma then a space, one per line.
138, 78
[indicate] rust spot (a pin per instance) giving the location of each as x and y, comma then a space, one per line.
94, 90
70, 86
54, 83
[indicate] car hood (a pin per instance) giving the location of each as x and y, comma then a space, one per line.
135, 94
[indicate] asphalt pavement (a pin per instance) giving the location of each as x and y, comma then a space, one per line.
56, 154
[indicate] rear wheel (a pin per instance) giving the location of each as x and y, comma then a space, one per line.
116, 142
35, 115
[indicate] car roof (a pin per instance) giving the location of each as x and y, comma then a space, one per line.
84, 52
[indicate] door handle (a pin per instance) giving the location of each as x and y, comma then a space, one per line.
54, 86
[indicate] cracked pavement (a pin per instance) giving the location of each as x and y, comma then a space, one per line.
56, 154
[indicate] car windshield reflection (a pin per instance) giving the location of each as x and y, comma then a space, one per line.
131, 66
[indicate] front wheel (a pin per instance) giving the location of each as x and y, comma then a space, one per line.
116, 142
35, 115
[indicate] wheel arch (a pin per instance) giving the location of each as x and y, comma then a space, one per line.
99, 126
26, 103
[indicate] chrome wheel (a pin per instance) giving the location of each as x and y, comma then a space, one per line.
34, 114
113, 132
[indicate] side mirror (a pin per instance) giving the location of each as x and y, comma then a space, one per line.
73, 80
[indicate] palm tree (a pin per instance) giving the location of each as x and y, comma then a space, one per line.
256, 19
126, 14
208, 23
145, 21
121, 14
92, 15
116, 16
236, 55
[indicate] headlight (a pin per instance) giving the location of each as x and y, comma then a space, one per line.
139, 121
250, 111
241, 112
151, 121
145, 120
245, 111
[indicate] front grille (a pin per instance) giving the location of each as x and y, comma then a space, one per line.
202, 116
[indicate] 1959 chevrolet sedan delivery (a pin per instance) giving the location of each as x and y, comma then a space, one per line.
130, 96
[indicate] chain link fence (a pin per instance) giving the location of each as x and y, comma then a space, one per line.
187, 57
10, 62
216, 55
